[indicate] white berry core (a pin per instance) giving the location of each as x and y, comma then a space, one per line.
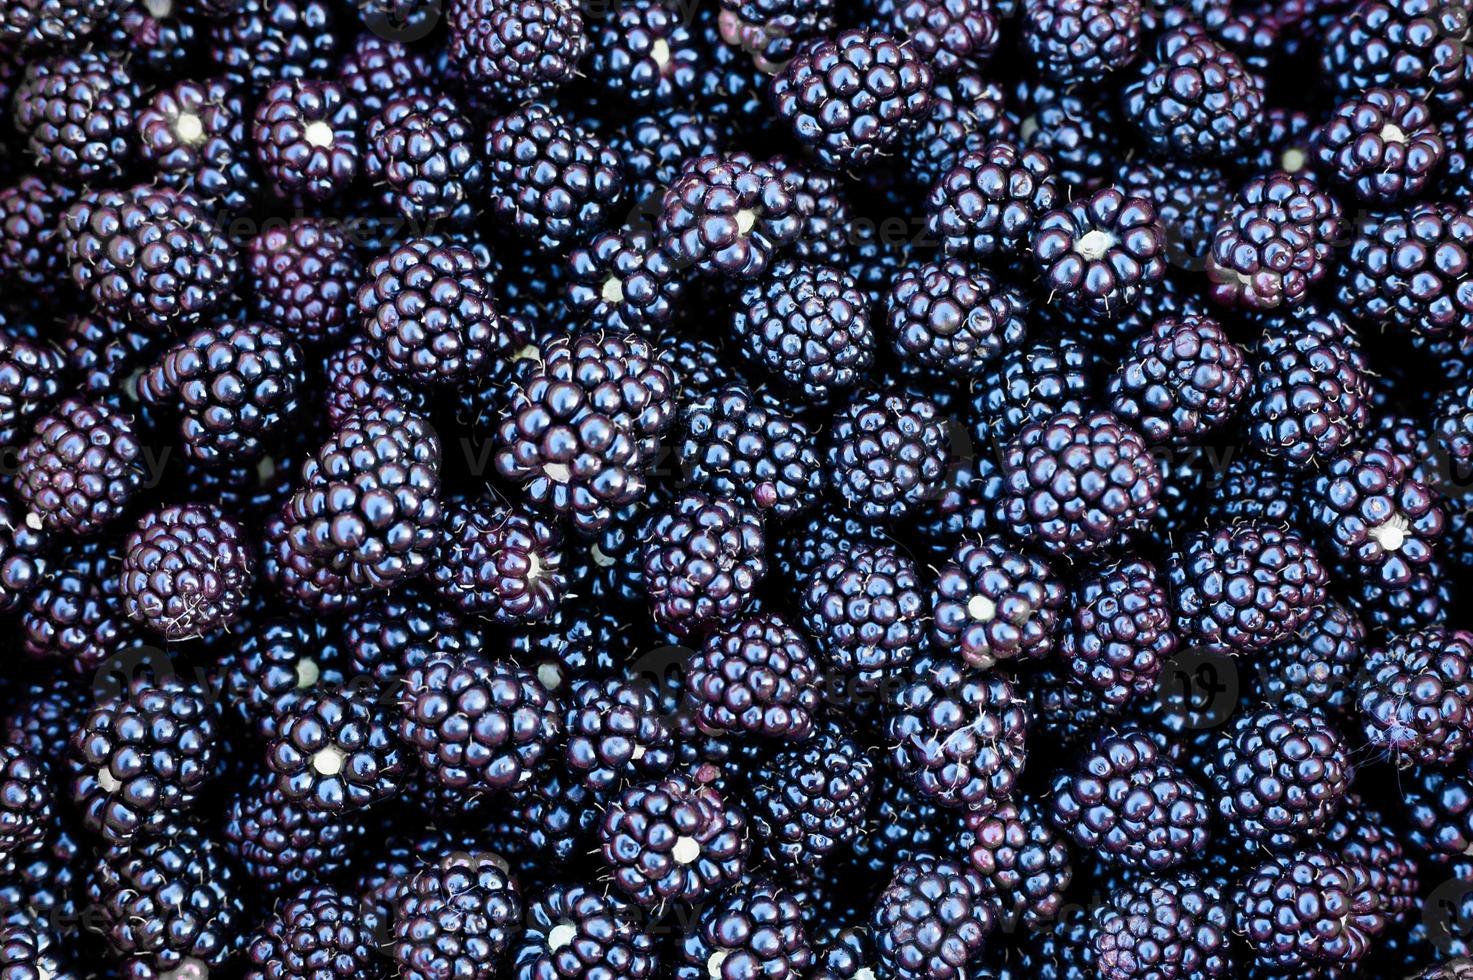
1392, 133
307, 672
1293, 160
612, 291
329, 761
1094, 244
560, 935
108, 781
745, 219
713, 965
1391, 535
550, 677
557, 472
318, 133
686, 850
981, 608
189, 127
660, 51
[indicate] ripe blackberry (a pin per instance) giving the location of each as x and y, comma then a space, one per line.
298, 574
31, 946
1244, 586
864, 607
950, 317
281, 844
809, 327
1030, 384
1274, 242
508, 51
1163, 927
141, 755
258, 43
81, 468
809, 801
768, 32
477, 726
24, 557
1194, 98
624, 281
1120, 634
186, 571
1311, 389
584, 426
645, 54
456, 916
379, 70
1180, 380
1415, 696
1078, 483
428, 310
549, 818
1126, 802
966, 112
655, 147
1407, 270
887, 452
36, 24
1191, 201
193, 137
1408, 44
575, 931
991, 602
305, 277
75, 614
951, 36
1074, 127
334, 752
548, 178
729, 214
76, 113
756, 676
1316, 667
672, 840
31, 376
499, 563
702, 559
1024, 864
828, 217
957, 737
615, 731
274, 664
319, 930
307, 138
931, 920
738, 448
166, 904
851, 99
31, 257
231, 385
1308, 909
990, 200
25, 801
1381, 144
1081, 40
755, 928
152, 256
1097, 254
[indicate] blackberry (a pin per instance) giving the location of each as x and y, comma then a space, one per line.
770, 31
1120, 634
31, 946
847, 955
1311, 389
334, 752
585, 425
281, 844
1191, 201
186, 571
990, 200
951, 36
258, 43
1024, 864
1181, 379
30, 250
755, 928
645, 54
931, 920
456, 916
1285, 142
1415, 696
31, 376
851, 99
991, 602
378, 71
729, 214
702, 558
966, 112
167, 903
499, 563
1125, 801
1030, 384
756, 676
1438, 804
740, 449
1081, 40
1423, 600
551, 817
1074, 128
1382, 145
429, 312
1244, 586
887, 452
1362, 835
317, 930
828, 217
477, 726
1274, 242
1078, 483
515, 50
1452, 426
1308, 909
41, 23
584, 639
549, 179
369, 510
274, 664
865, 608
193, 136
305, 278
672, 840
307, 139
624, 281
231, 385
809, 801
1407, 270
576, 931
151, 256
81, 469
615, 730
949, 317
1164, 927
1096, 255
24, 557
76, 113
809, 327
1316, 667
141, 755
25, 801
298, 573
1408, 44
1194, 98
821, 537
958, 737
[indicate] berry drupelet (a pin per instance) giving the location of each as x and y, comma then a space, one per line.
865, 607
499, 562
887, 452
186, 571
931, 920
1120, 634
1194, 98
1415, 697
728, 215
304, 278
1274, 243
991, 602
703, 558
1181, 379
1097, 254
334, 752
577, 931
1077, 41
756, 676
81, 469
948, 316
988, 203
455, 916
308, 139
